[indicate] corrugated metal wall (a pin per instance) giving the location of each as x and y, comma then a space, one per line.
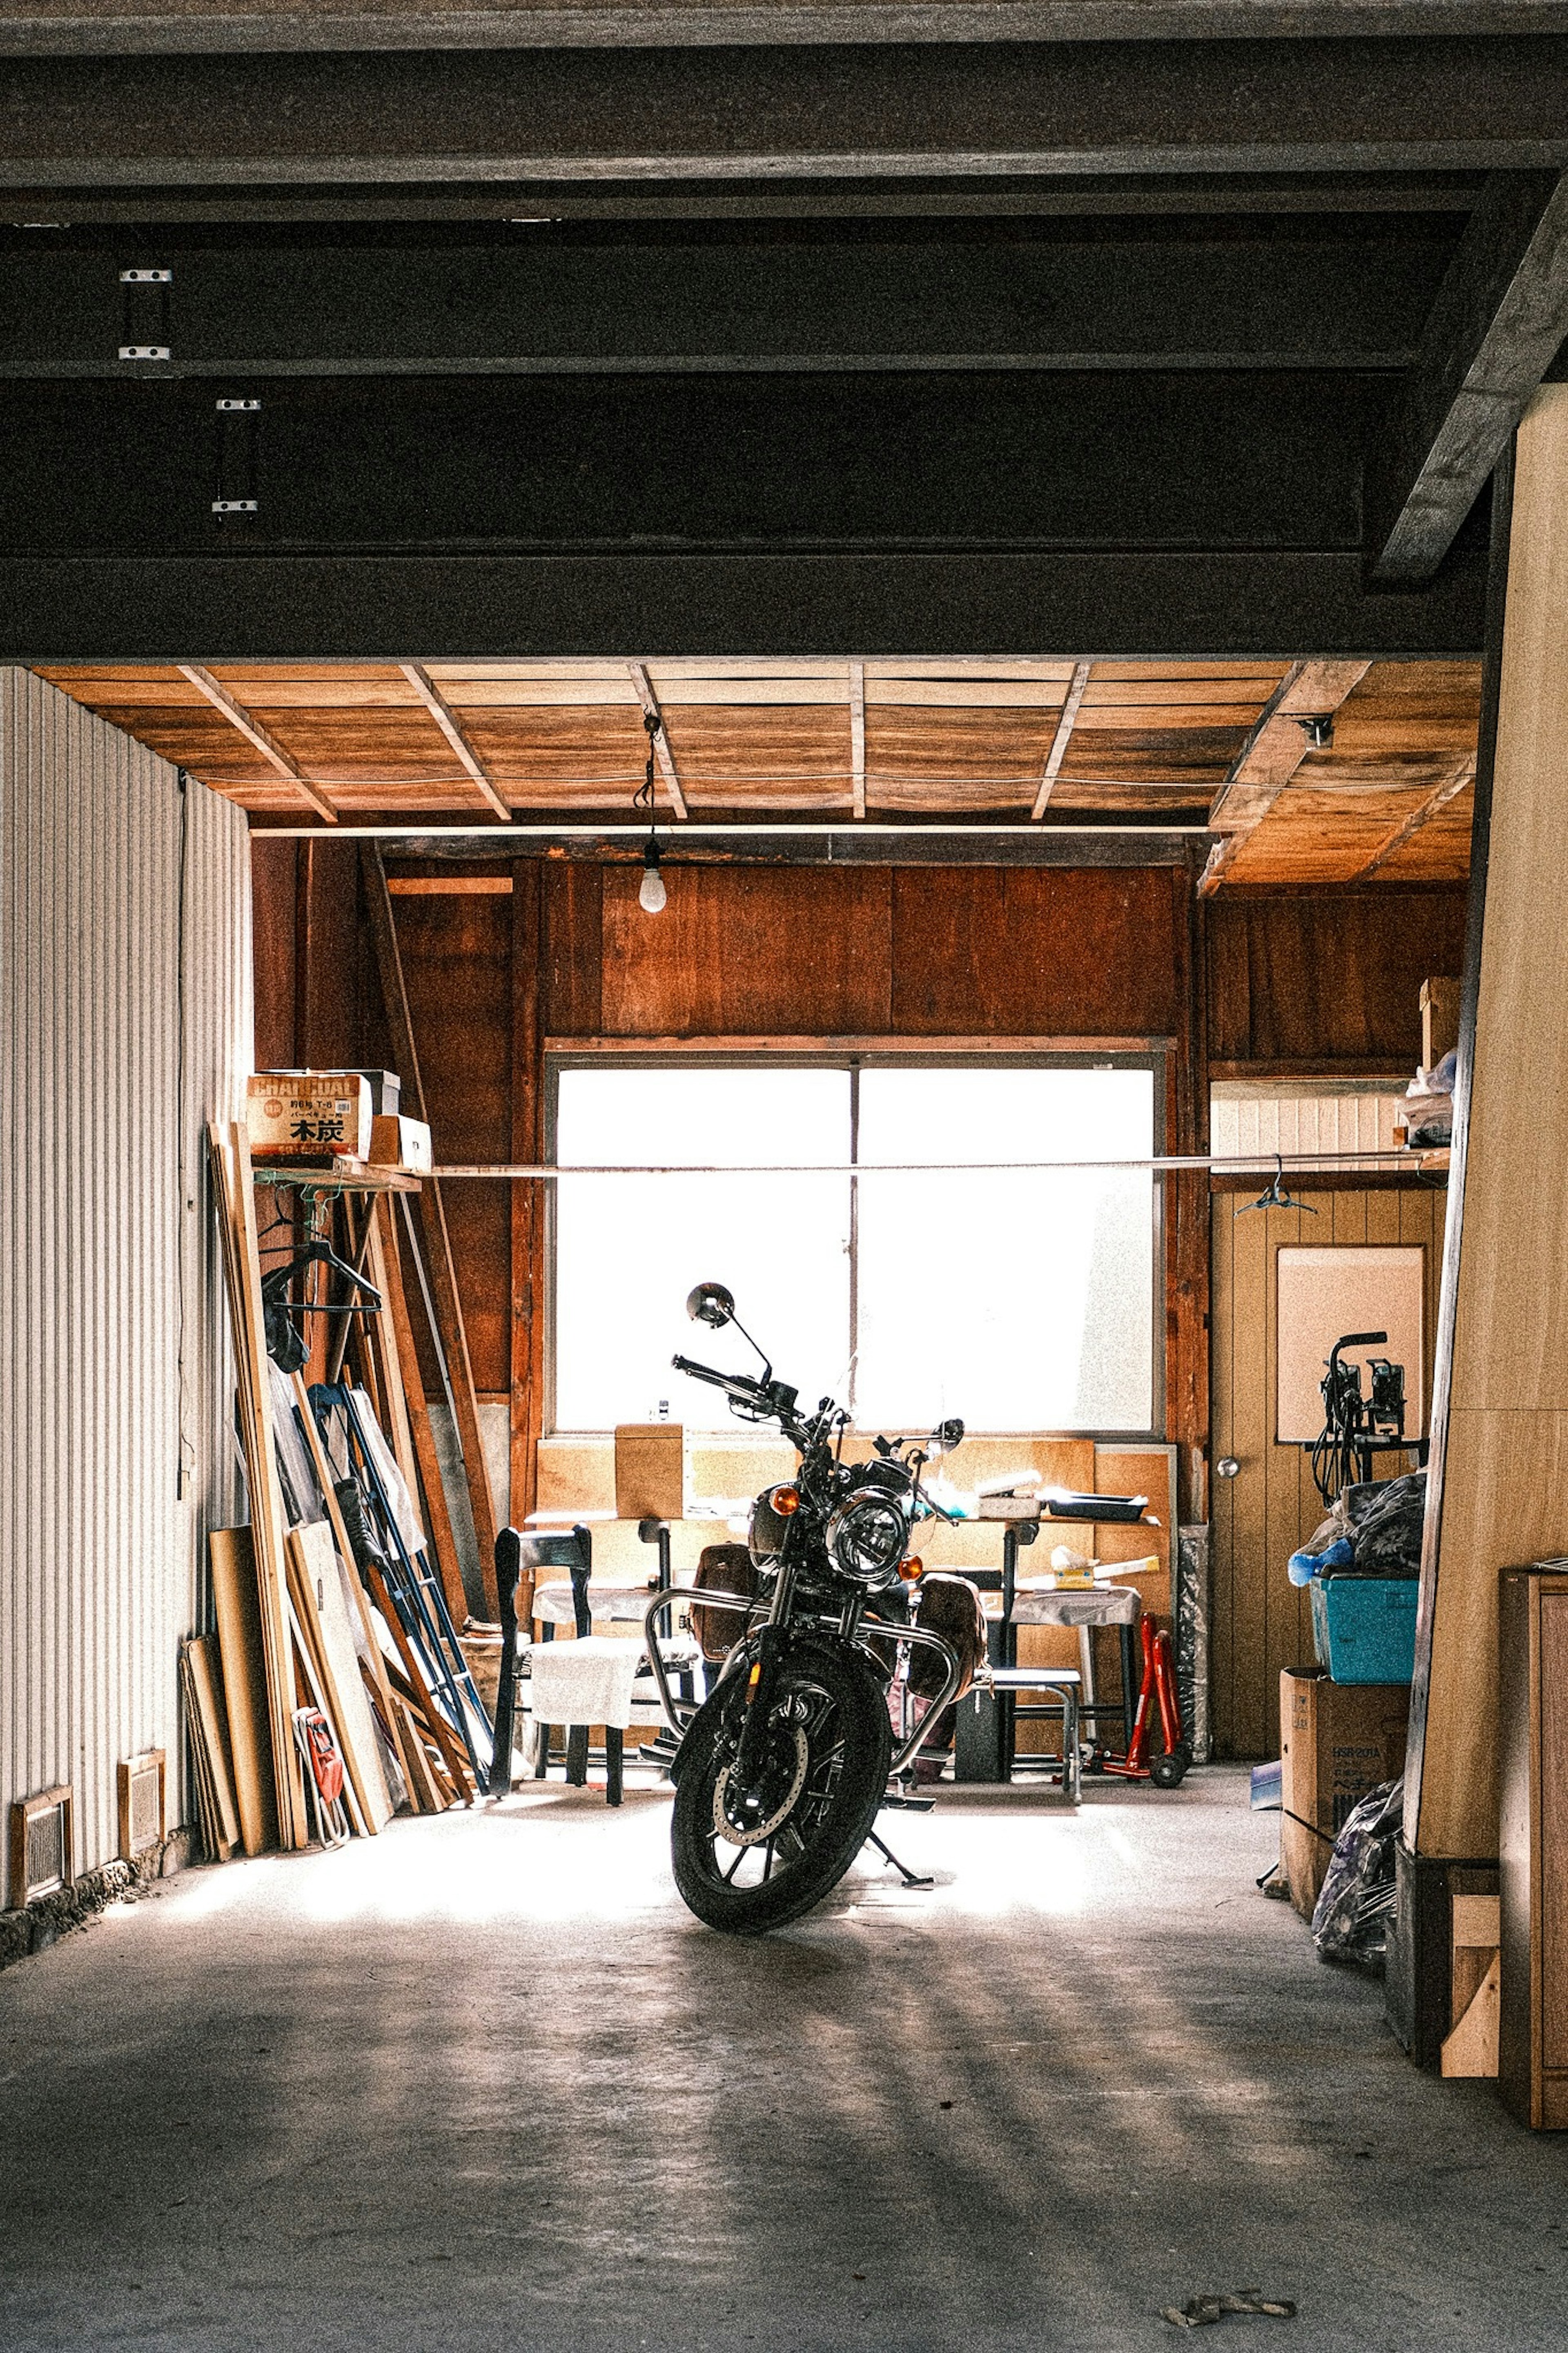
125, 1009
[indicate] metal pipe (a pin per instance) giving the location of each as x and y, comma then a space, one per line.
1161, 1164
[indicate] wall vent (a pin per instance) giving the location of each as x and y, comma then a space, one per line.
143, 1782
41, 1847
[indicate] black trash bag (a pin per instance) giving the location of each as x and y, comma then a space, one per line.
1385, 1521
1351, 1921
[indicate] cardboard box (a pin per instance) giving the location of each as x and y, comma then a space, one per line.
1439, 1020
386, 1092
651, 1471
1304, 1856
1337, 1741
311, 1117
397, 1143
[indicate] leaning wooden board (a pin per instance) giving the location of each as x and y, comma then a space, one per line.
322, 1606
231, 1160
202, 1660
238, 1609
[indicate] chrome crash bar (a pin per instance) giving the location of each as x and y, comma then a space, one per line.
678, 1713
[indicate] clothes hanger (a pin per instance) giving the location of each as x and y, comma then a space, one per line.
1271, 1197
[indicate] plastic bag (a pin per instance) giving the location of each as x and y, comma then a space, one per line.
1353, 1910
1386, 1518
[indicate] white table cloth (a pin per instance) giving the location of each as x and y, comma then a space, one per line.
620, 1604
587, 1682
1037, 1604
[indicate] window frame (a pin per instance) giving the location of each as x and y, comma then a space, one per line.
1154, 1057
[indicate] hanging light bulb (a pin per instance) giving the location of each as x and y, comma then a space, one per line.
653, 894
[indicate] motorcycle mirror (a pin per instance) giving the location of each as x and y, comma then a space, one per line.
949, 1434
710, 1302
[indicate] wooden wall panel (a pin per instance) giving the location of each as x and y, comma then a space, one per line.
748, 950
571, 950
1262, 1623
274, 880
456, 962
1316, 980
336, 993
1032, 952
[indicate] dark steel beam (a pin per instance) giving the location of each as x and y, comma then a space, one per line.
565, 116
944, 462
561, 298
1498, 324
990, 196
167, 26
217, 607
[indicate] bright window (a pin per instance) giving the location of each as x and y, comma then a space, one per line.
1019, 1300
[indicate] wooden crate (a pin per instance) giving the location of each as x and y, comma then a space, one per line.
652, 1462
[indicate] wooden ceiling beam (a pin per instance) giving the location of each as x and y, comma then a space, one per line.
664, 757
1271, 754
857, 736
1062, 737
1496, 325
440, 710
219, 695
1449, 786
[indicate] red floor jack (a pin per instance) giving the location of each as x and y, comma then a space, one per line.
1165, 1771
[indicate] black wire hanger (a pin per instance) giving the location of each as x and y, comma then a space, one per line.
1271, 1197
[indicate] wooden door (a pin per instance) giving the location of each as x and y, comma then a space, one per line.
1261, 1622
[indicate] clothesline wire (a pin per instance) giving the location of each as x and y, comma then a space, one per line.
1161, 1164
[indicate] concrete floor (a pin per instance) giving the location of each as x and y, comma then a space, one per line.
483, 2083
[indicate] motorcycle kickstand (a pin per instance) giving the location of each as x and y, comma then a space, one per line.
910, 1878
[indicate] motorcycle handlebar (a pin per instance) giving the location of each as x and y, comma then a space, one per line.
733, 1383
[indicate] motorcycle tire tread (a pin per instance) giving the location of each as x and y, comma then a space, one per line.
774, 1903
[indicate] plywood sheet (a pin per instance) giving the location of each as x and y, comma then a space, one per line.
1325, 1293
238, 1605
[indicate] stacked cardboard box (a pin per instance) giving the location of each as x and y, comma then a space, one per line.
1337, 1741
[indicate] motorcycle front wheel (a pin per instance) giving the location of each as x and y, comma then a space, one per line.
755, 1858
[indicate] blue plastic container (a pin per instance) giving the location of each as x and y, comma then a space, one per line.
1364, 1627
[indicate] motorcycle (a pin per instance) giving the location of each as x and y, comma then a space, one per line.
826, 1633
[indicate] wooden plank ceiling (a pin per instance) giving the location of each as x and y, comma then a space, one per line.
1308, 772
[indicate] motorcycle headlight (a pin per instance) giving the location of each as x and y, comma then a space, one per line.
867, 1536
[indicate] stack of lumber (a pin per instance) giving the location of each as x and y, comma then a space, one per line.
296, 1626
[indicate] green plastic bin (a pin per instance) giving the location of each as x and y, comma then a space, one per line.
1364, 1627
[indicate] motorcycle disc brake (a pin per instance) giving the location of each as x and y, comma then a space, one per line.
730, 1830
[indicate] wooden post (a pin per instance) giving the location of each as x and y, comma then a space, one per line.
423, 1437
1498, 1482
527, 1207
438, 1244
1187, 1232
